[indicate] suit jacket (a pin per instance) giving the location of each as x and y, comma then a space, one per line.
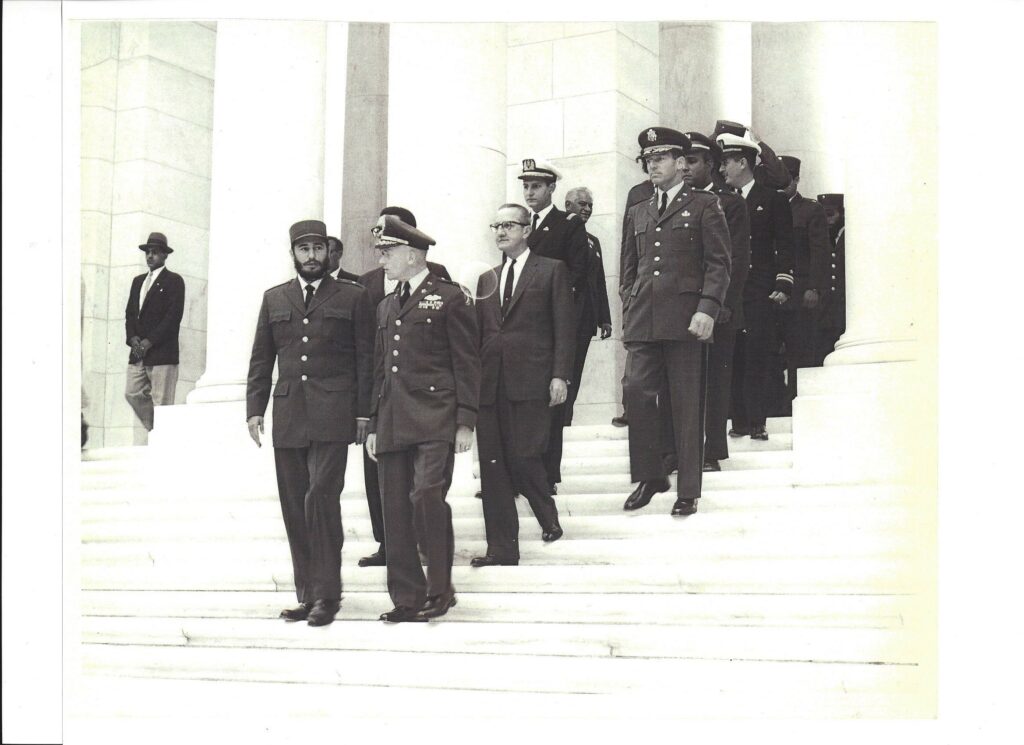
427, 371
674, 266
735, 208
771, 242
324, 358
595, 310
342, 274
536, 339
159, 318
810, 249
833, 302
563, 236
373, 280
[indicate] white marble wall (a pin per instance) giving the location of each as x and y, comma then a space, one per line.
578, 94
147, 107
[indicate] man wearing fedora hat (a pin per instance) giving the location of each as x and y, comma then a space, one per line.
152, 318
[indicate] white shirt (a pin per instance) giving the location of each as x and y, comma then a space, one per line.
541, 216
152, 279
745, 190
520, 262
303, 283
416, 280
671, 194
389, 285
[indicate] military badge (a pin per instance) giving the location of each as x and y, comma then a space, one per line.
529, 164
685, 213
652, 136
431, 302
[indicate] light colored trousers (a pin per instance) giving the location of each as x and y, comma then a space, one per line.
149, 386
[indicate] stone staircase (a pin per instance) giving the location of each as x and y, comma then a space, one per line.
774, 600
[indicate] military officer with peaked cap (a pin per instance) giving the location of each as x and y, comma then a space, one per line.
675, 277
832, 311
320, 333
425, 398
798, 315
556, 235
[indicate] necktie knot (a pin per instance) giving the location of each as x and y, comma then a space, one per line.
404, 292
664, 203
309, 293
536, 217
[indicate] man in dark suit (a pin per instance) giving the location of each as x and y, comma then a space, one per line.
595, 315
675, 277
379, 287
526, 355
426, 389
798, 315
556, 235
335, 250
769, 283
320, 332
832, 312
156, 303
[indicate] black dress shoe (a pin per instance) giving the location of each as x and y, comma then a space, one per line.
377, 559
479, 494
554, 490
437, 605
738, 432
684, 507
491, 561
552, 534
643, 493
300, 613
620, 421
758, 433
401, 614
710, 464
323, 612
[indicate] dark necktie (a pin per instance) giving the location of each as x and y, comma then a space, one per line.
403, 296
535, 218
664, 203
309, 294
506, 296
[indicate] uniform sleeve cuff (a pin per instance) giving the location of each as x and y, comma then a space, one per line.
710, 306
465, 417
784, 283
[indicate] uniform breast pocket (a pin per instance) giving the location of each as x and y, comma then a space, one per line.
431, 331
338, 325
280, 326
684, 231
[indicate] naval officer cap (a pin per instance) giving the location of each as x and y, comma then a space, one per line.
157, 241
307, 229
662, 140
539, 169
792, 165
738, 146
703, 142
831, 200
724, 126
391, 231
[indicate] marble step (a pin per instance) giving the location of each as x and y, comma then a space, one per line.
506, 637
773, 426
651, 609
603, 447
619, 464
772, 575
780, 689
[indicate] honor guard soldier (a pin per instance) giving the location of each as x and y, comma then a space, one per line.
426, 387
320, 333
799, 314
379, 286
674, 281
769, 283
771, 171
556, 235
832, 313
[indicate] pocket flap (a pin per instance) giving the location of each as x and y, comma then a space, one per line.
280, 315
281, 389
338, 313
689, 284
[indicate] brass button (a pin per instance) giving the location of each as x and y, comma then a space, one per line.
657, 258
305, 339
658, 230
304, 358
305, 320
398, 322
395, 353
686, 224
657, 274
657, 243
429, 320
397, 337
394, 368
305, 377
431, 387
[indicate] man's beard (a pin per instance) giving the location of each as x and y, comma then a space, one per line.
310, 275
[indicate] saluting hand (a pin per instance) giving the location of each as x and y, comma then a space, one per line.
702, 326
463, 439
558, 391
255, 429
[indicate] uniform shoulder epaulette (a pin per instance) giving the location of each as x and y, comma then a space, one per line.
280, 285
348, 281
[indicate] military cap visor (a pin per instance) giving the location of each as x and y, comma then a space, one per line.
735, 145
703, 142
307, 229
157, 241
390, 231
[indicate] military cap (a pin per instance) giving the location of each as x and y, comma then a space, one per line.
792, 165
724, 126
307, 229
401, 213
831, 200
662, 139
391, 231
735, 145
539, 169
703, 142
158, 241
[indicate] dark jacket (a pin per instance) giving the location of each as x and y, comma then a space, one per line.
735, 208
771, 242
810, 249
563, 236
833, 302
324, 357
595, 310
535, 341
427, 366
159, 318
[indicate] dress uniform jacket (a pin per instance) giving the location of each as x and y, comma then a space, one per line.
673, 266
562, 235
771, 172
595, 301
810, 248
833, 307
159, 318
373, 280
736, 215
771, 242
427, 372
325, 361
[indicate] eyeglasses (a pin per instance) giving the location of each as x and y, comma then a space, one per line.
506, 226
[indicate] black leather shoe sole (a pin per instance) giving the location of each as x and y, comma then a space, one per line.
684, 507
550, 536
711, 466
644, 493
323, 613
374, 560
436, 607
620, 421
491, 561
297, 614
759, 435
401, 614
738, 433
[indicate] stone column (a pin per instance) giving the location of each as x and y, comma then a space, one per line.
268, 146
446, 134
578, 94
869, 414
